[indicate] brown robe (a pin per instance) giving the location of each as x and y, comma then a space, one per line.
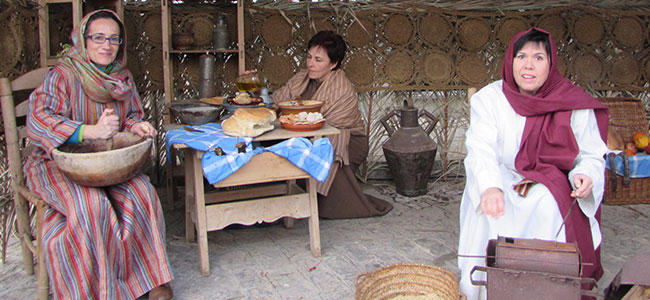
340, 196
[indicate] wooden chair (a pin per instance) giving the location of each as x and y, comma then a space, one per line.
15, 138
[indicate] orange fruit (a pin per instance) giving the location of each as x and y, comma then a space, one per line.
629, 152
641, 140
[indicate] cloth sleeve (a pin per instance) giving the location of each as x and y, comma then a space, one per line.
48, 122
590, 160
481, 162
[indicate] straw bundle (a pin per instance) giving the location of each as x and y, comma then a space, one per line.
407, 281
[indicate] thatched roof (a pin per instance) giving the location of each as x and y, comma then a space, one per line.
474, 5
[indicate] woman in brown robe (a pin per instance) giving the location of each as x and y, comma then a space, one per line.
340, 196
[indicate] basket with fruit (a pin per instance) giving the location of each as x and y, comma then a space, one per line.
628, 133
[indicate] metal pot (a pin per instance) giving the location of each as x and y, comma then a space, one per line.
409, 151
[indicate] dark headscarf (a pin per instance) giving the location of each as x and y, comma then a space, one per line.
548, 147
98, 85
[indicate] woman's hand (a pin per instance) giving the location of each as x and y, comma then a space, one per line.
143, 129
492, 202
107, 126
583, 184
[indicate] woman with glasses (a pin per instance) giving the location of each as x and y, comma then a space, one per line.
100, 243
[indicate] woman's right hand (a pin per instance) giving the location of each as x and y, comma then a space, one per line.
492, 202
107, 126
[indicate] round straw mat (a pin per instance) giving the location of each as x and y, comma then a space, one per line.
586, 67
398, 30
135, 66
588, 29
193, 70
276, 31
434, 30
231, 71
60, 31
399, 67
438, 67
472, 69
646, 69
406, 280
624, 70
554, 24
277, 68
201, 26
562, 64
154, 66
357, 36
152, 28
628, 32
360, 69
320, 23
131, 27
473, 33
29, 28
509, 28
10, 46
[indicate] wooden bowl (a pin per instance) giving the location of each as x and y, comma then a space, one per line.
100, 163
293, 107
196, 113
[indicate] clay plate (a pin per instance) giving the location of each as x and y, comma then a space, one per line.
303, 127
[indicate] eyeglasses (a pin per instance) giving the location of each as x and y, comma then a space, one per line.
100, 39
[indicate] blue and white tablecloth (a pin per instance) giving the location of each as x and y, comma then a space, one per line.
639, 165
315, 159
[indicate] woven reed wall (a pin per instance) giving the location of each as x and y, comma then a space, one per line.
416, 50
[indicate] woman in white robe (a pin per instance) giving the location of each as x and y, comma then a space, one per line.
493, 142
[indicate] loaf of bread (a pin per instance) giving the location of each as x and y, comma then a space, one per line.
249, 122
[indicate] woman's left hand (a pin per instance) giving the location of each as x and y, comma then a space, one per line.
583, 185
143, 129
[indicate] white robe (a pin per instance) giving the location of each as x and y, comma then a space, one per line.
492, 142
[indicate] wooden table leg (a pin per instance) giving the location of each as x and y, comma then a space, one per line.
288, 221
201, 221
169, 168
190, 207
314, 230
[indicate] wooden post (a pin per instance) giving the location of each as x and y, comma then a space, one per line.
240, 36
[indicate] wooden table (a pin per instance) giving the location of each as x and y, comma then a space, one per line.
278, 195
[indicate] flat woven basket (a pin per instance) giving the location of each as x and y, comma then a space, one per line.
407, 281
626, 117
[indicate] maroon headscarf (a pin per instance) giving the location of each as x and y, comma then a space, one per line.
548, 147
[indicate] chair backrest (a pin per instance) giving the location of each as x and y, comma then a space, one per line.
15, 134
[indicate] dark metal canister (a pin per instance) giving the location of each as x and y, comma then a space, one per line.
207, 78
409, 151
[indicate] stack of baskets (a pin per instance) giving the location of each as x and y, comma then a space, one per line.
627, 116
407, 282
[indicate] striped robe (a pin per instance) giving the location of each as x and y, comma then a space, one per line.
99, 243
339, 109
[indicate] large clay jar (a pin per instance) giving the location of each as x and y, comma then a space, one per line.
182, 40
410, 151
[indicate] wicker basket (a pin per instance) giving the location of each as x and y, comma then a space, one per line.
407, 281
626, 117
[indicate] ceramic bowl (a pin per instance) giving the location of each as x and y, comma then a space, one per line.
100, 163
196, 113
